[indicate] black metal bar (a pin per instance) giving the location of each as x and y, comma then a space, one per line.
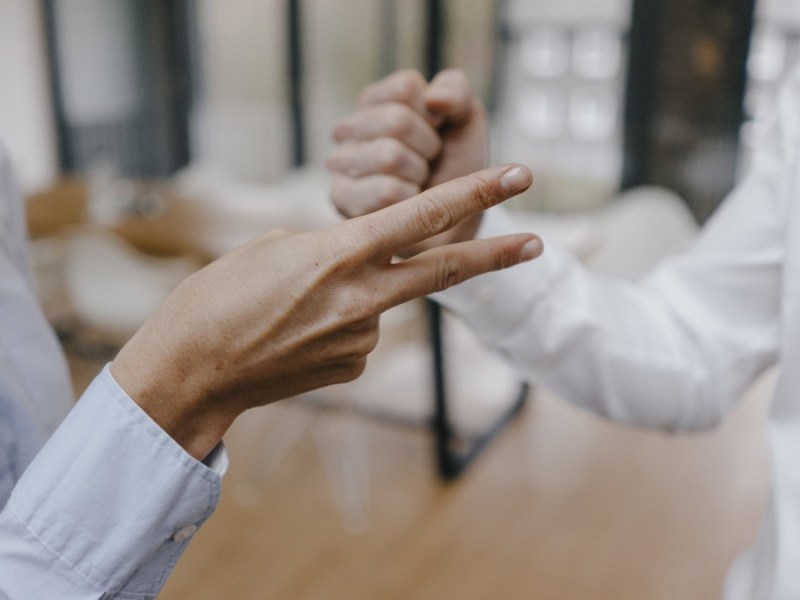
295, 68
447, 466
441, 422
178, 62
640, 91
65, 157
502, 36
434, 37
479, 443
450, 462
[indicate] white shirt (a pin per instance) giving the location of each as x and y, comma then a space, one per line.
110, 502
675, 350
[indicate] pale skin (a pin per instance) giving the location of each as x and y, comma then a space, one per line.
407, 135
291, 312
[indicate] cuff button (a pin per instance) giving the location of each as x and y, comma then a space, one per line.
184, 533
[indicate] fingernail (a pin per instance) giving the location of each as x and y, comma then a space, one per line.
516, 179
531, 249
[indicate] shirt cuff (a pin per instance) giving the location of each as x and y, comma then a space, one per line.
112, 497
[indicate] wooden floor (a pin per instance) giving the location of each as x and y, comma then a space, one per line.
563, 506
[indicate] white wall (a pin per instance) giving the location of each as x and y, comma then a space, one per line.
97, 61
26, 121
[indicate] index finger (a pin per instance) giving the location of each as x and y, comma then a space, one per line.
438, 209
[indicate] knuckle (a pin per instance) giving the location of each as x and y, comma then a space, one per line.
372, 341
349, 370
391, 156
482, 192
450, 271
432, 216
356, 306
410, 84
370, 336
399, 121
350, 160
365, 342
505, 258
342, 130
356, 368
340, 191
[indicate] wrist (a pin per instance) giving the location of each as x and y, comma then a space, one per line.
167, 391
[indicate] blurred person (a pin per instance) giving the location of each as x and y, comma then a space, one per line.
673, 351
105, 507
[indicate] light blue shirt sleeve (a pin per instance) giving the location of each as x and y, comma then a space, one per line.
107, 507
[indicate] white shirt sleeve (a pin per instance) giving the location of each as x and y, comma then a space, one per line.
107, 507
674, 350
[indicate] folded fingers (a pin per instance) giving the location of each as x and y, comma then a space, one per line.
390, 120
382, 156
354, 197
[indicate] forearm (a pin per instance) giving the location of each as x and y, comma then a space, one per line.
659, 354
172, 393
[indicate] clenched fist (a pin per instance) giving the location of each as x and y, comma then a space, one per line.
404, 137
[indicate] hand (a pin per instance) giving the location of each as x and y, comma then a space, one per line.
287, 313
407, 136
